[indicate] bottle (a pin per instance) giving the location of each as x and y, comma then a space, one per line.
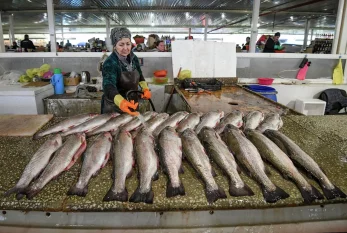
57, 81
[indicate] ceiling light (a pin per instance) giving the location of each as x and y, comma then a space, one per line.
276, 2
187, 15
152, 15
325, 9
258, 24
79, 15
292, 18
152, 24
29, 0
223, 15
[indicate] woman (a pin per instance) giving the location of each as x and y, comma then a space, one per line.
122, 73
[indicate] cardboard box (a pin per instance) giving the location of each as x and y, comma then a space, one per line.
72, 81
309, 50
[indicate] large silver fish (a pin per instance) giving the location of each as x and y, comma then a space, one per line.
90, 125
172, 121
272, 121
95, 158
136, 122
112, 125
233, 118
210, 119
65, 125
253, 119
37, 163
64, 158
170, 152
195, 153
270, 152
147, 163
153, 123
248, 155
123, 161
302, 159
189, 122
220, 154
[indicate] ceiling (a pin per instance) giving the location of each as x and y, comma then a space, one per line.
224, 16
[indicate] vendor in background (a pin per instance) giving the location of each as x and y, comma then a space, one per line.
68, 44
273, 44
160, 46
122, 73
14, 45
248, 39
27, 44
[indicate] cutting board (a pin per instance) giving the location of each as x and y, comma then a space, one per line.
22, 125
37, 84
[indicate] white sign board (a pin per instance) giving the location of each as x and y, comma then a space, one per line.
205, 59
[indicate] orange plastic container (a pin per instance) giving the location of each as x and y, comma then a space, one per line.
160, 73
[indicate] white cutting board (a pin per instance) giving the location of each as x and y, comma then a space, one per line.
206, 59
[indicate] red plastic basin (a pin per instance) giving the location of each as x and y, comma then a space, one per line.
265, 81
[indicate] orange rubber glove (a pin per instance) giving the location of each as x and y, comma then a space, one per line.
146, 94
125, 105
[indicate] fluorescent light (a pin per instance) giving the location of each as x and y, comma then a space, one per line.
29, 0
276, 2
152, 15
258, 24
223, 15
152, 24
292, 18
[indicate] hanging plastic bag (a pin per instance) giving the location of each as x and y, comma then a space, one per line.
338, 73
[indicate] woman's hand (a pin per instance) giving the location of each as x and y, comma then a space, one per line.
125, 105
146, 94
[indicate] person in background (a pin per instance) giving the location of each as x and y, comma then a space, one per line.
121, 73
14, 45
160, 46
248, 39
273, 44
68, 44
27, 44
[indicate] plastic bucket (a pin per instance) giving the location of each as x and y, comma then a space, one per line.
57, 81
268, 92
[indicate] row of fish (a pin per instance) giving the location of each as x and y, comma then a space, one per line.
166, 136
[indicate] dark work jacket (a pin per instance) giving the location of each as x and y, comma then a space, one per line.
270, 45
27, 44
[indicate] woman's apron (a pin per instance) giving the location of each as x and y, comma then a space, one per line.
128, 81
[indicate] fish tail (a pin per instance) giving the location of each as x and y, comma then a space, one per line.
174, 191
19, 196
333, 193
113, 196
74, 190
15, 189
214, 195
238, 192
31, 193
142, 197
310, 196
36, 136
274, 196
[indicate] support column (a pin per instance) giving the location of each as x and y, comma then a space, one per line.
189, 32
206, 27
51, 25
338, 26
11, 30
109, 44
62, 30
2, 44
311, 35
307, 28
254, 33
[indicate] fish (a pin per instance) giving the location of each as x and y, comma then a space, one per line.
95, 158
172, 121
253, 119
220, 154
189, 122
36, 165
248, 156
234, 118
302, 159
153, 123
270, 152
65, 125
210, 119
147, 163
64, 158
112, 124
272, 121
123, 162
90, 125
170, 154
195, 154
136, 122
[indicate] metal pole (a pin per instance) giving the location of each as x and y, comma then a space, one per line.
189, 32
311, 35
338, 26
11, 30
62, 30
51, 25
109, 44
307, 28
206, 26
2, 44
254, 33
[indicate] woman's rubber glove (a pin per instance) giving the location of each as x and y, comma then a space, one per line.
146, 92
125, 105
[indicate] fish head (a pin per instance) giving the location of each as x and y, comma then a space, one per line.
108, 136
115, 114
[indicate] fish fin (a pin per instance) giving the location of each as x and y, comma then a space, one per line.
96, 173
130, 173
274, 196
155, 176
333, 193
213, 172
113, 196
74, 190
77, 155
174, 191
181, 170
13, 190
238, 192
214, 195
142, 197
19, 196
31, 193
107, 157
37, 136
310, 196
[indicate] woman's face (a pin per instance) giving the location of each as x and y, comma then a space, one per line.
123, 47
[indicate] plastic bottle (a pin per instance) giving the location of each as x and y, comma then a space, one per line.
57, 81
